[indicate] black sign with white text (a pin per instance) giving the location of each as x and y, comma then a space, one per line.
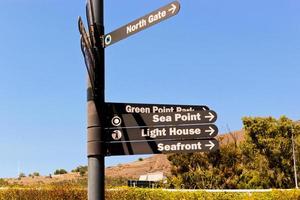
112, 109
142, 23
159, 147
161, 133
161, 119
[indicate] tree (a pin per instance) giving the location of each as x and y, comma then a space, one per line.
81, 170
60, 171
218, 169
267, 152
263, 160
22, 175
35, 174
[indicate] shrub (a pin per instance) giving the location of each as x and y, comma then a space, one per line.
56, 193
35, 174
115, 181
60, 171
81, 170
71, 192
3, 182
22, 175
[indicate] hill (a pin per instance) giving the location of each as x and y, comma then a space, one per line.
155, 163
135, 169
160, 162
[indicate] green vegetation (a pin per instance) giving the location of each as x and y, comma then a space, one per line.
47, 193
35, 174
22, 175
3, 182
60, 171
82, 170
115, 182
69, 192
141, 159
158, 194
263, 160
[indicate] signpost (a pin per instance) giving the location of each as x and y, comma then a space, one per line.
127, 128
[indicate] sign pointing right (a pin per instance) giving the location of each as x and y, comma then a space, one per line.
142, 23
161, 146
161, 119
161, 133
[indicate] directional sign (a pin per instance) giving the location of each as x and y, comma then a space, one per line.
161, 133
128, 108
159, 147
157, 119
142, 23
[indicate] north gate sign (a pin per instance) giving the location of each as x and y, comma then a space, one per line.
142, 23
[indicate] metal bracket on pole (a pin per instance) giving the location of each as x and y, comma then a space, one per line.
91, 19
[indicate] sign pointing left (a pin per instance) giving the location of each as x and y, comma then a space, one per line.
142, 23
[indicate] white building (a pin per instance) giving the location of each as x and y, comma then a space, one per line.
155, 177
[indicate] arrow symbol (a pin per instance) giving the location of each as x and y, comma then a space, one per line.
210, 116
210, 131
173, 8
211, 145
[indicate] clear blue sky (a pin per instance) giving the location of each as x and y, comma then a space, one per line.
241, 58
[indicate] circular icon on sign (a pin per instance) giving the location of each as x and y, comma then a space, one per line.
116, 135
116, 121
107, 39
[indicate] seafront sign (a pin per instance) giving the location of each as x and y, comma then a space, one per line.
162, 146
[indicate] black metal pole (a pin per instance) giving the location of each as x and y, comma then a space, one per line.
96, 145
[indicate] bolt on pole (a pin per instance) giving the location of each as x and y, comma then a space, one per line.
95, 111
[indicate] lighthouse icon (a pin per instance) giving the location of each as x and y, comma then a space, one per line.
116, 135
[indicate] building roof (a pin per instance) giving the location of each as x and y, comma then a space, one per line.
156, 176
